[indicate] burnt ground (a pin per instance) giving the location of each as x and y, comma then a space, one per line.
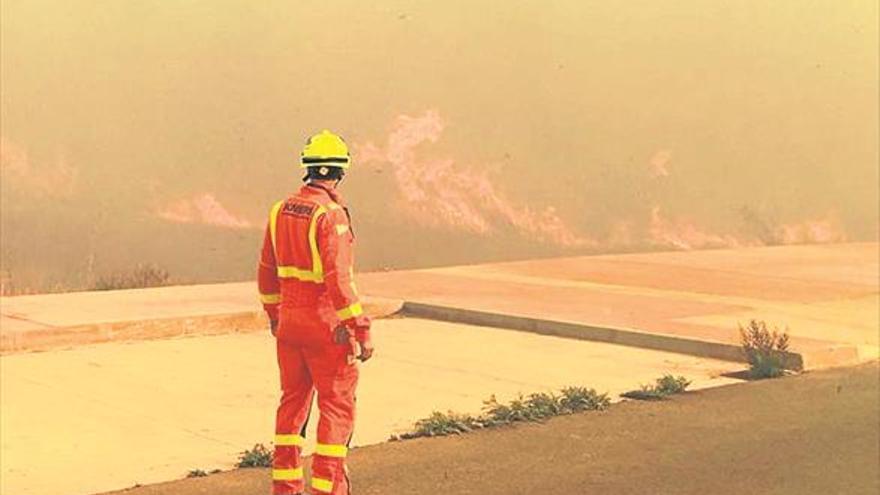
817, 433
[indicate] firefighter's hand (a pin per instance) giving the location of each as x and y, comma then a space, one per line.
273, 326
366, 350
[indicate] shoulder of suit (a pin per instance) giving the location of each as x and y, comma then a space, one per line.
327, 202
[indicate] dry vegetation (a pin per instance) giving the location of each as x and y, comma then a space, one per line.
764, 349
142, 276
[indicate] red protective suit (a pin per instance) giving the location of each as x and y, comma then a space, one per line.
305, 282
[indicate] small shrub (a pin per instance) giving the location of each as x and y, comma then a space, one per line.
535, 407
258, 456
663, 387
764, 349
544, 405
140, 277
669, 384
577, 399
517, 410
196, 473
441, 424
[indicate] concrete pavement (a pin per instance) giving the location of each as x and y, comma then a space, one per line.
52, 321
107, 416
138, 409
826, 295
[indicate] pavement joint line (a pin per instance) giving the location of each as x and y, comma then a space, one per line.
13, 316
613, 258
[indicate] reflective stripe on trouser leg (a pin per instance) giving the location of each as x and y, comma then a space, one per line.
331, 450
331, 459
287, 474
296, 384
336, 382
322, 485
287, 469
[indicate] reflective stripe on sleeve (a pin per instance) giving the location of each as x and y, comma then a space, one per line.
331, 450
322, 485
341, 229
287, 474
288, 440
270, 298
350, 312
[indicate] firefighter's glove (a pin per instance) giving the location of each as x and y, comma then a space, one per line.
366, 349
361, 328
345, 336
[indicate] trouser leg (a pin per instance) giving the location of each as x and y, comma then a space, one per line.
335, 381
290, 420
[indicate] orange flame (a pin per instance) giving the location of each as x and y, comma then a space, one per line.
821, 231
440, 193
659, 163
204, 209
56, 181
685, 235
681, 234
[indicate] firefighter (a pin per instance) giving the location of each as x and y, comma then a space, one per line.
306, 285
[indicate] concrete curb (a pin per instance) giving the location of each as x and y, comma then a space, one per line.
50, 338
57, 337
133, 330
581, 331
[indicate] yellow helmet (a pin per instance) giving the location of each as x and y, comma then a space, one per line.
325, 149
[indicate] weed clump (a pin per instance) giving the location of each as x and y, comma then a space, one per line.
258, 456
534, 407
440, 424
662, 388
764, 349
142, 276
196, 473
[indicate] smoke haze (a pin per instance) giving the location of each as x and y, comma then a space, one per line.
161, 132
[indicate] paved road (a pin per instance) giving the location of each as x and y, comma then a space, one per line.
815, 434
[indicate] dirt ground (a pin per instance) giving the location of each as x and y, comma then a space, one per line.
817, 433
